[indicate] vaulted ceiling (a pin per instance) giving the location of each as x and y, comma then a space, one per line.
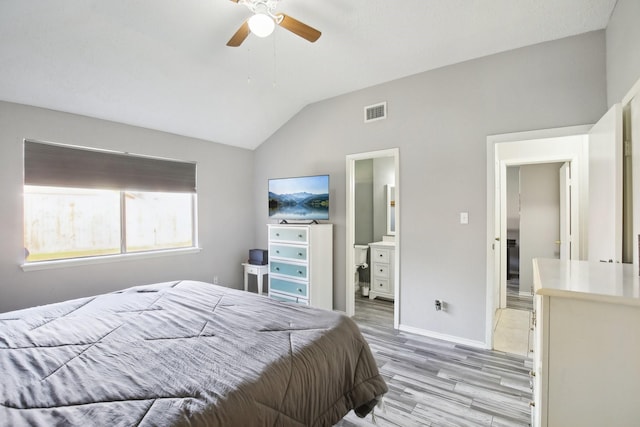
164, 64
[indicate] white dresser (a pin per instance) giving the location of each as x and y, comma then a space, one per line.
382, 270
301, 264
586, 360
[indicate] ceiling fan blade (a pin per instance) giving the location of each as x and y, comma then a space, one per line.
242, 33
299, 28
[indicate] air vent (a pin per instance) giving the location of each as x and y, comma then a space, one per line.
375, 112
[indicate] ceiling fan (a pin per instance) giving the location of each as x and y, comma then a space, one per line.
264, 20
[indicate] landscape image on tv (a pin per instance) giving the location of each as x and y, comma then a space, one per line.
299, 198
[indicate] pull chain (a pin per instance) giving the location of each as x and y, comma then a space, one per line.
248, 66
274, 60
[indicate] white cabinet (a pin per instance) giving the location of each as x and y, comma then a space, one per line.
301, 264
586, 344
382, 270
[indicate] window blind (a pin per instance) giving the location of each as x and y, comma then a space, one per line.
55, 165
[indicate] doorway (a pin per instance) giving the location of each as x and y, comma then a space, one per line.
527, 148
373, 184
535, 213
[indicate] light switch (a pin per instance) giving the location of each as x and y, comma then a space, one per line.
464, 217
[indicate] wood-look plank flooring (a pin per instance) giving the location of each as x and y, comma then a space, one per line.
515, 299
438, 383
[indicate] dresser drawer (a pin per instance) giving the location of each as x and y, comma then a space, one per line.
288, 234
298, 253
380, 285
253, 269
293, 270
380, 255
380, 270
290, 287
288, 298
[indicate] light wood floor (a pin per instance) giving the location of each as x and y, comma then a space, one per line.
438, 383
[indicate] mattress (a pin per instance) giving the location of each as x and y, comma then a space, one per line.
183, 353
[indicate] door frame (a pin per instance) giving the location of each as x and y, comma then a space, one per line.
350, 228
567, 144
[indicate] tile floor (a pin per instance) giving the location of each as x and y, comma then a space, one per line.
512, 333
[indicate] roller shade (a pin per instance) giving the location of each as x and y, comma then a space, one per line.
64, 166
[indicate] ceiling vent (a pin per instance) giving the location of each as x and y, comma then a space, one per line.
375, 112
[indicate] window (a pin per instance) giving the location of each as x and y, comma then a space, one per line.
84, 203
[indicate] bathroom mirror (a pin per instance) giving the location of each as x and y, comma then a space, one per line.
391, 210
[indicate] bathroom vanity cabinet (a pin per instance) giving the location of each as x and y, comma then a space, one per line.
382, 270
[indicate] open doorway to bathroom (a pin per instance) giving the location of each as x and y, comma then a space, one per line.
372, 235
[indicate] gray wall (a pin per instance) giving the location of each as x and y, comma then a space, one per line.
513, 202
364, 202
623, 49
224, 208
440, 121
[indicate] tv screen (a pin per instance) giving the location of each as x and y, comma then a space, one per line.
299, 198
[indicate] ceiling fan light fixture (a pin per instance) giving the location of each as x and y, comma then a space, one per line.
261, 25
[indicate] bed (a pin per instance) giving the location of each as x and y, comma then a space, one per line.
183, 353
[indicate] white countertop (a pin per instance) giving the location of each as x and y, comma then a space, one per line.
383, 243
616, 283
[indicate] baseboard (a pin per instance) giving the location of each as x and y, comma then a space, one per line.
445, 337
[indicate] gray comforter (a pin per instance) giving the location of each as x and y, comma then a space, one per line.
182, 353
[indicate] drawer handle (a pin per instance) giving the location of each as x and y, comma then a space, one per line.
299, 290
300, 272
532, 374
278, 234
381, 270
277, 268
300, 236
532, 404
299, 253
277, 251
380, 255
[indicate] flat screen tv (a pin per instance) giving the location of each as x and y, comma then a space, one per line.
299, 198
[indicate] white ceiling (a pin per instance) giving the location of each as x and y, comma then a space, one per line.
163, 64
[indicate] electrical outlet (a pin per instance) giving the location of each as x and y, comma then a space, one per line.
215, 280
438, 305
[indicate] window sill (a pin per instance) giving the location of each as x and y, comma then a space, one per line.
63, 263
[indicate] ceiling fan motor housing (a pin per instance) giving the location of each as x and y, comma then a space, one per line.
263, 10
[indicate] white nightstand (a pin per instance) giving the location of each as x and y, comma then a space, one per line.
258, 270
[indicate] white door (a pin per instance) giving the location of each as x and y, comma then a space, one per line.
605, 187
635, 168
565, 211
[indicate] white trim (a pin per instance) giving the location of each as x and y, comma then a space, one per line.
350, 234
75, 262
539, 134
445, 337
